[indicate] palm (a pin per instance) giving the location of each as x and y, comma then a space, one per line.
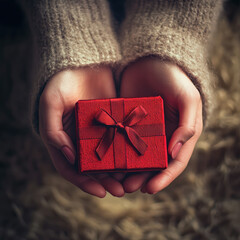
144, 80
151, 77
57, 123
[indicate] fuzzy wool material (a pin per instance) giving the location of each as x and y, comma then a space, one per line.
91, 32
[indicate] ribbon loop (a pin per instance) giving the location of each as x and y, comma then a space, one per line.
103, 117
135, 116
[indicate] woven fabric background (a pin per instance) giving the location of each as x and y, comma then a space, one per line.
36, 203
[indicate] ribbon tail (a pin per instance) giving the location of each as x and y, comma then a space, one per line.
136, 140
105, 143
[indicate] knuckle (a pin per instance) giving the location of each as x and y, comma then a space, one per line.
49, 137
169, 175
181, 164
191, 131
188, 132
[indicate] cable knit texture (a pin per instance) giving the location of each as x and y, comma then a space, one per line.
70, 33
177, 31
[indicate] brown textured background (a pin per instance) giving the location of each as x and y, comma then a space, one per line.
36, 203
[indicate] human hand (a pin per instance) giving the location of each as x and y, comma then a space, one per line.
57, 124
183, 117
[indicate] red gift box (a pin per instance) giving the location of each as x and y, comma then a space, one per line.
121, 134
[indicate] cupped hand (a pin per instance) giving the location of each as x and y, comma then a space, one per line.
183, 117
57, 123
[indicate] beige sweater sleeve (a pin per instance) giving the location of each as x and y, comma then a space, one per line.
177, 31
69, 33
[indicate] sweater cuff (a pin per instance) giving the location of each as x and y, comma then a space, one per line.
72, 33
176, 31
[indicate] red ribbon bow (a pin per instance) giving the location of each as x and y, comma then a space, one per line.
136, 115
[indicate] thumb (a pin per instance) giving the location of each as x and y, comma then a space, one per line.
51, 128
186, 128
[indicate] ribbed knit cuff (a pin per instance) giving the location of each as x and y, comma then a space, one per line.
73, 33
69, 34
176, 31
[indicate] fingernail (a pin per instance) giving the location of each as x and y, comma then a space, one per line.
176, 150
68, 154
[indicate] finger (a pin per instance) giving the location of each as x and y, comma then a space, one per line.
110, 184
51, 127
188, 108
143, 189
177, 166
144, 185
84, 182
135, 181
118, 176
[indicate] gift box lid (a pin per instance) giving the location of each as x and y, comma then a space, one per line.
121, 153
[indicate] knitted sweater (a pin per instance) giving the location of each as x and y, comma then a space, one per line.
71, 33
173, 30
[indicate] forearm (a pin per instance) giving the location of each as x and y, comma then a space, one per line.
72, 33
